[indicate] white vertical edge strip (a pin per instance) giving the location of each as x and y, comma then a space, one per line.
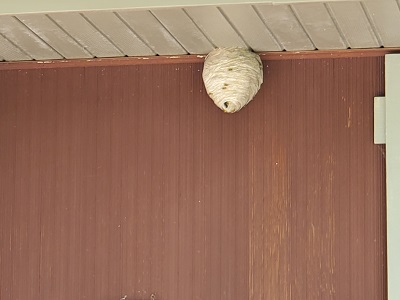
379, 120
392, 82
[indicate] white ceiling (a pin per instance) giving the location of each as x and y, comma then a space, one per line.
198, 29
29, 6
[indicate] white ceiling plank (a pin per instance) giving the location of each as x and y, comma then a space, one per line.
29, 6
252, 29
215, 26
184, 30
24, 38
353, 24
86, 34
10, 52
385, 15
53, 35
120, 34
320, 27
285, 26
267, 26
150, 30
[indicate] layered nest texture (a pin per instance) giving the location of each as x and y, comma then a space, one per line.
232, 77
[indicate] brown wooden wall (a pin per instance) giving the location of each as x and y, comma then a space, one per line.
129, 181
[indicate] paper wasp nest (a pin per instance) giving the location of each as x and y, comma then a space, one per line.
232, 77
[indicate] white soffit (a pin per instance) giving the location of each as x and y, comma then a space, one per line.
38, 6
45, 30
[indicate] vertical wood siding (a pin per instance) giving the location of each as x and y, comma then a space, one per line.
129, 181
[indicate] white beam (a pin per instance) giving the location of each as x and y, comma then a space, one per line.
392, 82
379, 120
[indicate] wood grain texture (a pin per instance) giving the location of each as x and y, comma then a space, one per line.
127, 180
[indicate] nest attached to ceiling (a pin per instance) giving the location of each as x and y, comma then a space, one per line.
232, 77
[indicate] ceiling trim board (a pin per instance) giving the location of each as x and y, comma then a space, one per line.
127, 61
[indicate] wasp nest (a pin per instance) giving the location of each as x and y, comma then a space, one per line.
232, 77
